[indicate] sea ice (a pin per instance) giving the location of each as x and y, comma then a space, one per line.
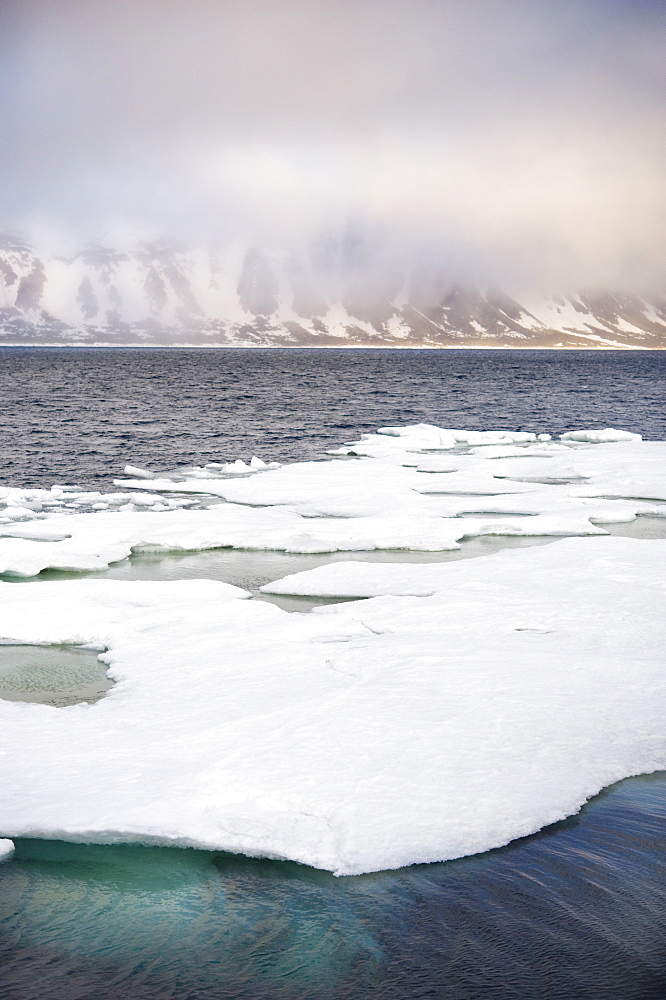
91, 541
362, 736
351, 579
137, 473
397, 497
596, 437
6, 849
399, 729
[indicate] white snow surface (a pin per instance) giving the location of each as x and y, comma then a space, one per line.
6, 849
597, 437
405, 488
361, 737
463, 705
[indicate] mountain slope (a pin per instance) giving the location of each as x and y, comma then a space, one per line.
162, 294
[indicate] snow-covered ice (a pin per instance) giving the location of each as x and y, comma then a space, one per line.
597, 437
463, 705
363, 736
6, 849
364, 579
398, 496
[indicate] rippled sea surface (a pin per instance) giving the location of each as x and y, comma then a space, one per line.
576, 912
75, 415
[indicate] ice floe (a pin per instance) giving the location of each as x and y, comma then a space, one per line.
597, 437
359, 737
401, 519
458, 707
402, 494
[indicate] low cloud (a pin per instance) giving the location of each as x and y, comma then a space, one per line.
519, 142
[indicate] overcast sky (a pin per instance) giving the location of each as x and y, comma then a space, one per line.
514, 140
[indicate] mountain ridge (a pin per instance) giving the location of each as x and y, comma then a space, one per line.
166, 294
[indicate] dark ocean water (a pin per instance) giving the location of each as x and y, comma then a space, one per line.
73, 415
576, 912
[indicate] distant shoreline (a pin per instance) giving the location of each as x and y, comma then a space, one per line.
327, 347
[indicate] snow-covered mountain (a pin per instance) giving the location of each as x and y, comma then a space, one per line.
166, 294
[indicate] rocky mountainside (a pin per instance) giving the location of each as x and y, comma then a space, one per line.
165, 294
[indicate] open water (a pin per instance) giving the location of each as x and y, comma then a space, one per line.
77, 415
575, 912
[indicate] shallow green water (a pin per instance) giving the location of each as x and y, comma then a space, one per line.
52, 675
576, 911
